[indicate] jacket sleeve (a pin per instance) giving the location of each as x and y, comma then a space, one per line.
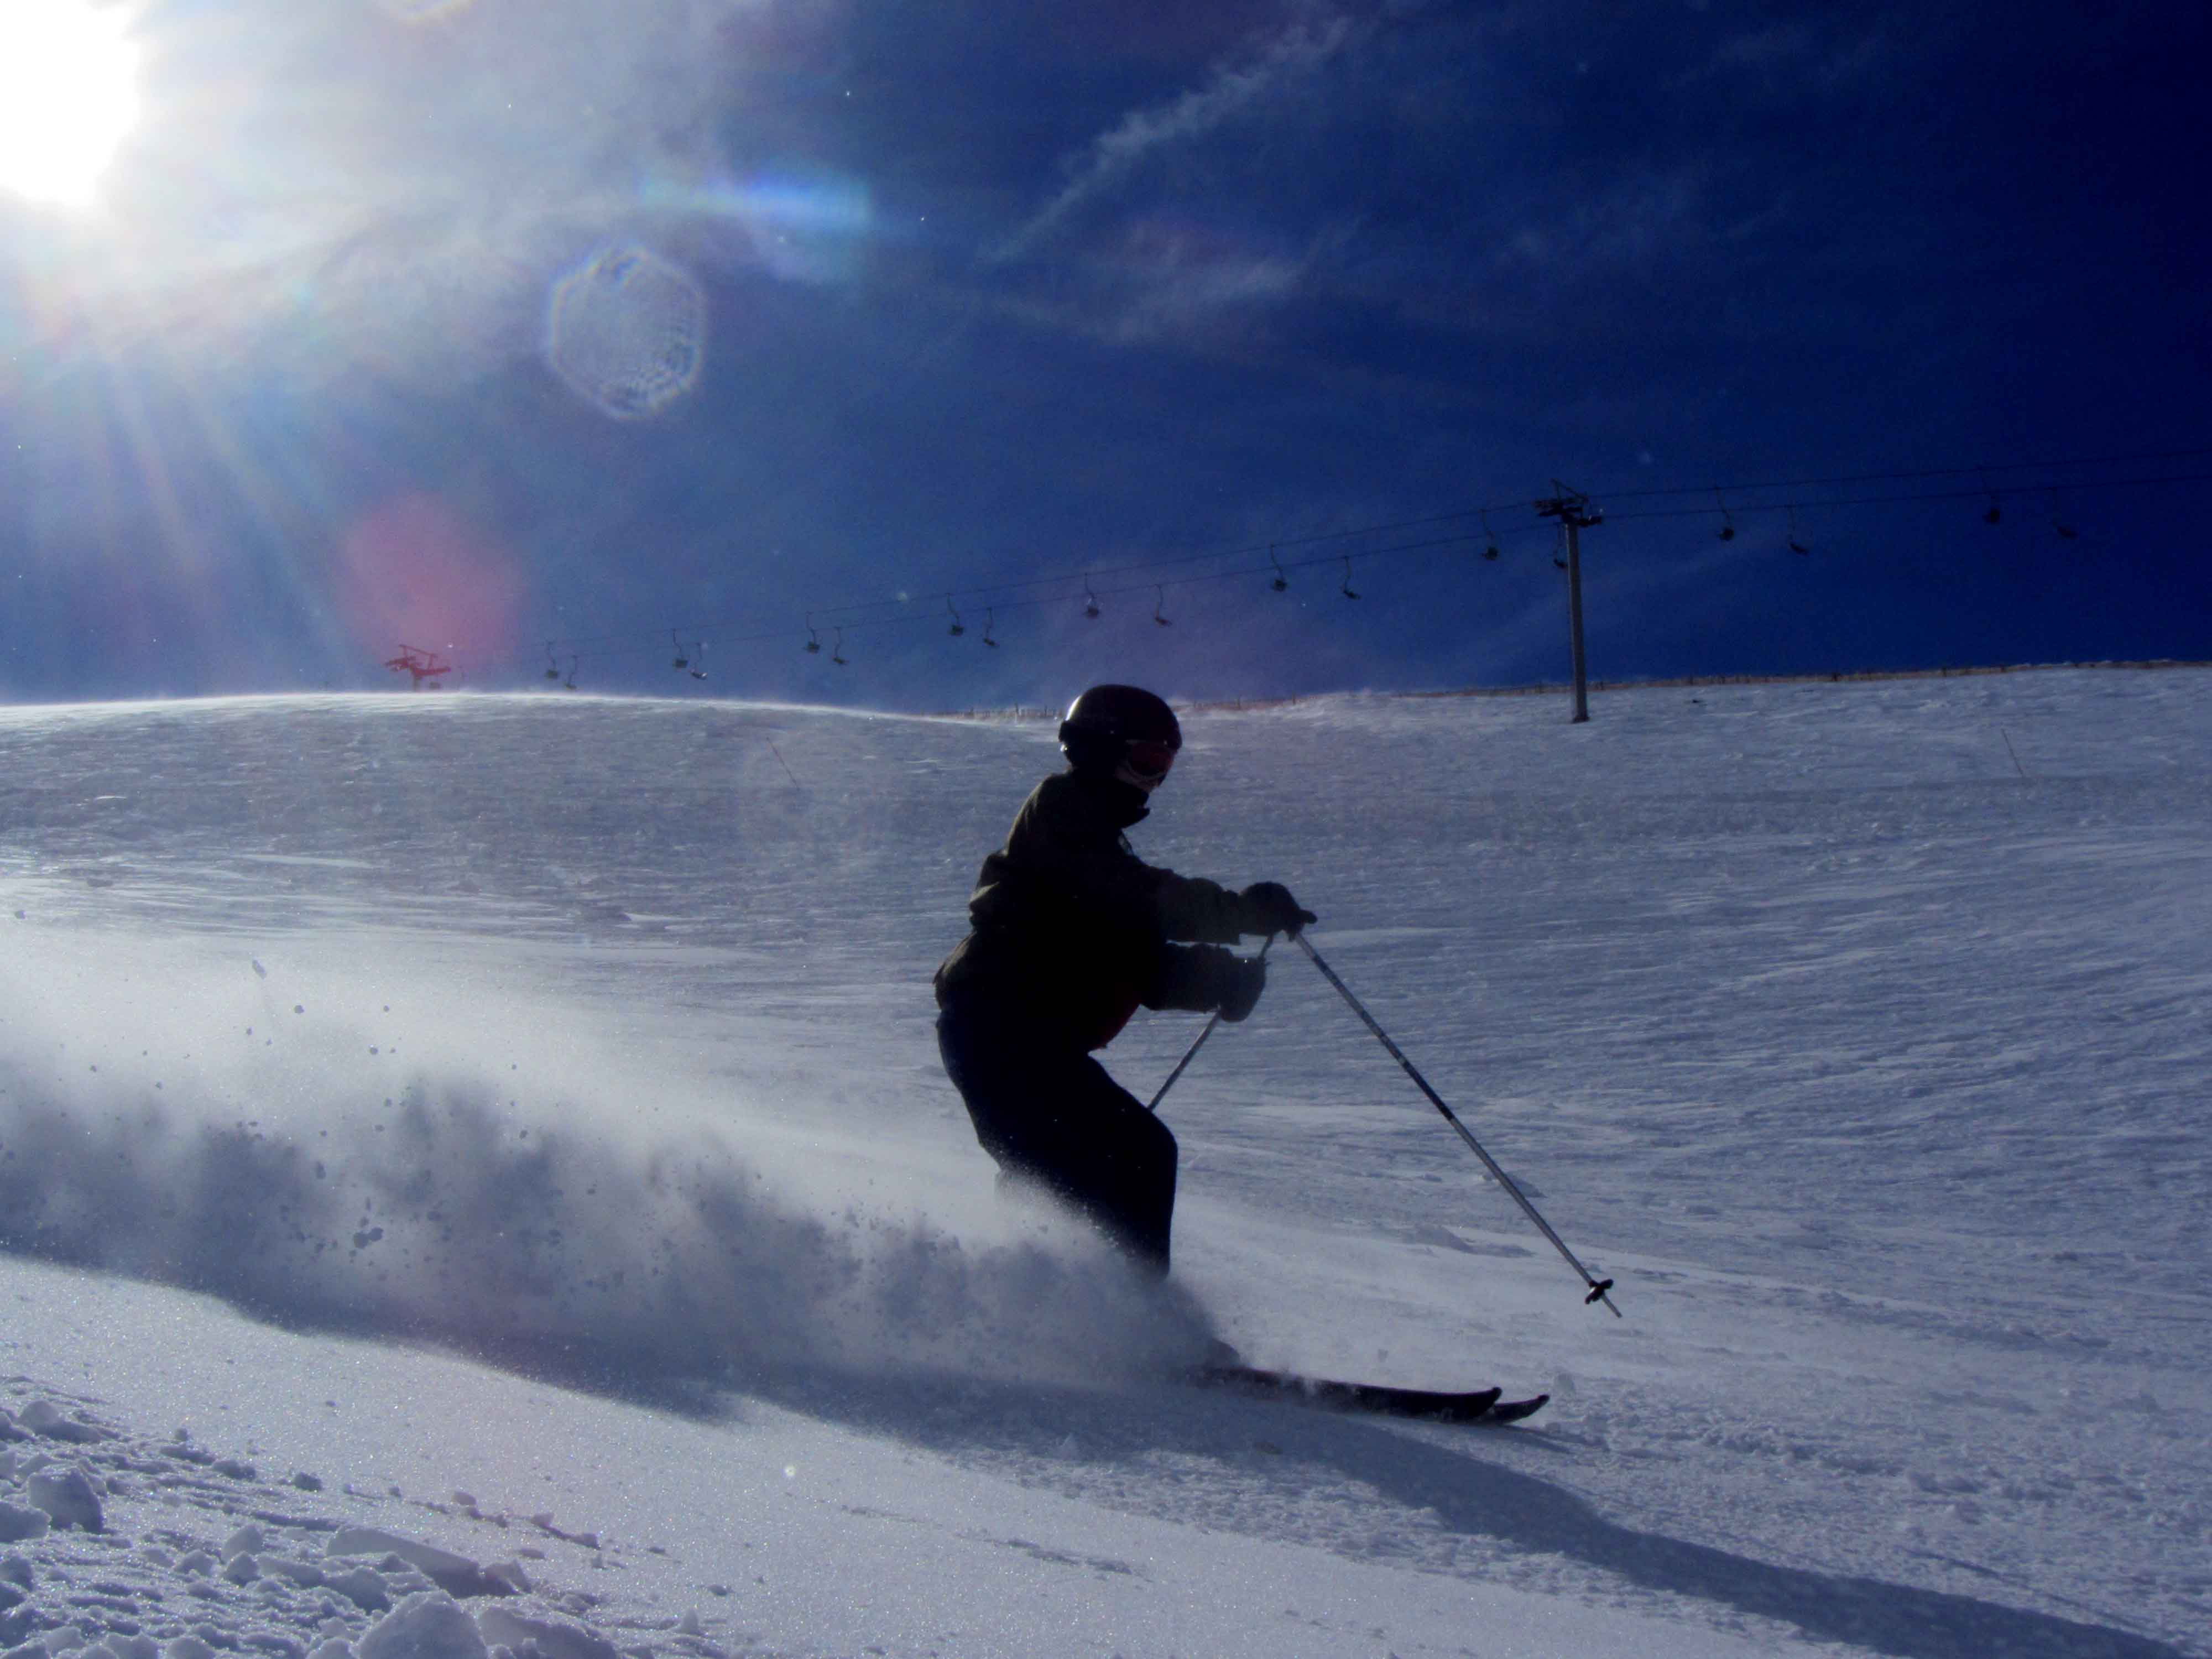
1191, 977
1061, 843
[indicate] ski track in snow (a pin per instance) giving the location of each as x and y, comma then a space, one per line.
577, 1036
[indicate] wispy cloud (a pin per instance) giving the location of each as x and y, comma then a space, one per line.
1235, 88
1170, 276
1761, 48
1792, 58
1650, 214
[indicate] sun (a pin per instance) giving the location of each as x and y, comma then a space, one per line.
69, 95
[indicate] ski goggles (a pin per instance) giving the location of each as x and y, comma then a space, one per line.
1148, 759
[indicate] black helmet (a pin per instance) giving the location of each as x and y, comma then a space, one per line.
1104, 722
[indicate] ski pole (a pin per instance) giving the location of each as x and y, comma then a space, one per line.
1191, 1054
1598, 1287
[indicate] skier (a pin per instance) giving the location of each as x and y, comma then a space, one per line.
1070, 932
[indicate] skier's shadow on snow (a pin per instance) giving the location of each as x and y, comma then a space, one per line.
1469, 1494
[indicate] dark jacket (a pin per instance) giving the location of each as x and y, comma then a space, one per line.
1071, 929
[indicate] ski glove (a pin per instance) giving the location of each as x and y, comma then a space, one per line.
1241, 988
1269, 908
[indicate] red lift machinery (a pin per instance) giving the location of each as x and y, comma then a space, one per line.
423, 665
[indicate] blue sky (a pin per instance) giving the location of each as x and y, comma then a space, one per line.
636, 327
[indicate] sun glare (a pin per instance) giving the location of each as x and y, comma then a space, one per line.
69, 95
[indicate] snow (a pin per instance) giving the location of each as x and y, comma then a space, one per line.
477, 1179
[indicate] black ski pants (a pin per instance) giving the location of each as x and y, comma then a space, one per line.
1048, 1113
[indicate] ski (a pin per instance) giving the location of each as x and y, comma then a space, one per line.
1431, 1405
1512, 1411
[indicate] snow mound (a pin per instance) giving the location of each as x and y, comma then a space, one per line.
154, 1552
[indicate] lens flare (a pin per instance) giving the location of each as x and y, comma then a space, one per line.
627, 332
415, 569
68, 97
422, 11
804, 225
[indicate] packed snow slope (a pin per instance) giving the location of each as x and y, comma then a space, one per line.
535, 1099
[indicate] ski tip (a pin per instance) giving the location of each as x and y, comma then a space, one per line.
1512, 1411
